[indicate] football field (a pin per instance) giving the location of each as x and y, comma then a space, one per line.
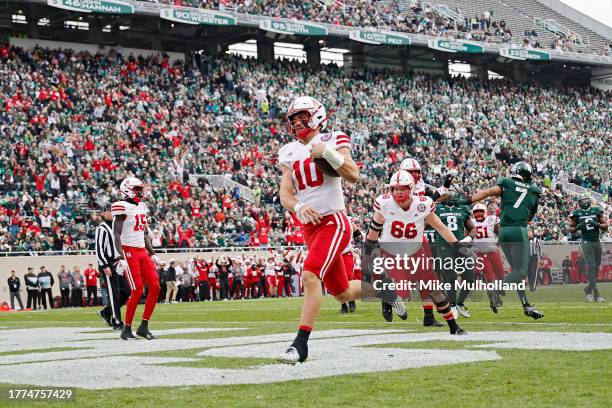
222, 354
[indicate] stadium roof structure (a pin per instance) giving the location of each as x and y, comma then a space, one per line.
156, 26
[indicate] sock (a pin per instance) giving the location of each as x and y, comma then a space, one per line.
144, 323
428, 310
344, 306
304, 333
523, 297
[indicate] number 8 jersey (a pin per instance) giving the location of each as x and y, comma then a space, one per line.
322, 193
135, 223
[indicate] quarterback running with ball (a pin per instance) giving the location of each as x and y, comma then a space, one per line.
318, 201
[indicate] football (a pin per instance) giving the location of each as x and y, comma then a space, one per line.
325, 167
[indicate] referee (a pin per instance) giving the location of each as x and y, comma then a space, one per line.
535, 253
118, 287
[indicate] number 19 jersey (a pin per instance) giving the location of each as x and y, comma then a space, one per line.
322, 193
135, 223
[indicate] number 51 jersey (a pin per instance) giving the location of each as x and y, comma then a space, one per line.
403, 226
322, 193
135, 223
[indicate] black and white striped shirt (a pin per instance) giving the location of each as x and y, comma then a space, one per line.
105, 247
535, 247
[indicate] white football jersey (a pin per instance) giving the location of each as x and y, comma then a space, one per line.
403, 226
486, 238
135, 223
419, 188
322, 193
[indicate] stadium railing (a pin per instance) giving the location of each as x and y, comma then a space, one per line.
219, 181
578, 190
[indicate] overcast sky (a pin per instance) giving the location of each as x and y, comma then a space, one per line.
600, 10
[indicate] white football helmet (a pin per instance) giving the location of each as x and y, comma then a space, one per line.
132, 188
401, 179
413, 167
479, 207
316, 111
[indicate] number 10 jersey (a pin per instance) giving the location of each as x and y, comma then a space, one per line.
320, 192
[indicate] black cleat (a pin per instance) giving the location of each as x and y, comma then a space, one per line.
126, 333
352, 306
387, 311
493, 307
117, 326
459, 332
344, 309
106, 320
143, 331
532, 312
430, 321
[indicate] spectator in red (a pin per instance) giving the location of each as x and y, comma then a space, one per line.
91, 281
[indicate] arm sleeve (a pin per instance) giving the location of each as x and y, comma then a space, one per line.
118, 208
377, 203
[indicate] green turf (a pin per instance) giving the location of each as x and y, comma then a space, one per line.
525, 378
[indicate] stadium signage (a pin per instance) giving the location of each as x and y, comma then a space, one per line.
94, 6
195, 16
525, 54
292, 27
448, 45
376, 37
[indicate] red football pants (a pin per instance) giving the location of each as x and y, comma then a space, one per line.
326, 241
139, 266
492, 266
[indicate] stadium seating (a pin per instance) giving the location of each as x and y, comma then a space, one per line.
73, 125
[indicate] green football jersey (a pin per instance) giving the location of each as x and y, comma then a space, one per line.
454, 217
517, 201
588, 231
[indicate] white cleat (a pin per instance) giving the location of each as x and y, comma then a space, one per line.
455, 312
290, 356
463, 311
599, 299
400, 308
590, 297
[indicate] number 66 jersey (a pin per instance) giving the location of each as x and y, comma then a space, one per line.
135, 223
322, 193
403, 226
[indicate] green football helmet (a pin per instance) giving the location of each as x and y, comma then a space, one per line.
521, 171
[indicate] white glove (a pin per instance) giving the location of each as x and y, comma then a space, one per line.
442, 191
467, 239
121, 266
156, 259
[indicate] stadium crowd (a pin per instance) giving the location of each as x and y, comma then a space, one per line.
72, 125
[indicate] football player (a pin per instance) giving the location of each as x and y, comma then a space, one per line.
317, 199
398, 223
485, 243
519, 204
136, 255
590, 222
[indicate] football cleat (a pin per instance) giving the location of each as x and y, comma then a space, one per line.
400, 308
430, 321
105, 319
599, 299
126, 333
387, 311
532, 312
352, 306
590, 297
344, 308
143, 331
493, 307
292, 355
455, 312
117, 325
463, 311
459, 332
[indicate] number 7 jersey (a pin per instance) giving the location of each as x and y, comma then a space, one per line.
135, 223
322, 193
517, 201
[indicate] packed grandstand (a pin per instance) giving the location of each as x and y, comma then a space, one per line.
74, 124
